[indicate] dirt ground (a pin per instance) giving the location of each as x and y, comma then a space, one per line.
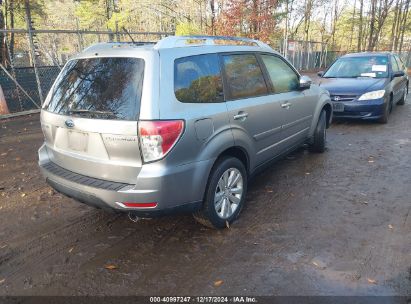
336, 223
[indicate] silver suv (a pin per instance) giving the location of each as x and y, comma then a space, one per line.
181, 125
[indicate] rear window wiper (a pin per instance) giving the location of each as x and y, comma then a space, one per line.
91, 112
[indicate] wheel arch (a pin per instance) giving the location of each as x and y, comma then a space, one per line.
328, 112
324, 103
237, 152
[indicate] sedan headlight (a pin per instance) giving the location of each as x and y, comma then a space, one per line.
372, 95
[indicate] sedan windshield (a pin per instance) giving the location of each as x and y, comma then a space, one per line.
362, 66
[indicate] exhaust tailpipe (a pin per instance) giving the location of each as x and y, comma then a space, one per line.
133, 217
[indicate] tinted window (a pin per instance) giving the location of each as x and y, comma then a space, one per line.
283, 78
104, 88
244, 76
359, 66
197, 79
394, 64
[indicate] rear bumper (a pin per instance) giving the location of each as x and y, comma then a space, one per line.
174, 189
370, 109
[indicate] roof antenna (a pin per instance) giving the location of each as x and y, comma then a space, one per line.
124, 29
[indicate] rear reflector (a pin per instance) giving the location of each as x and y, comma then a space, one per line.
140, 205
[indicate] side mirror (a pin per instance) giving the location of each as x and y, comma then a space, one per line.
398, 74
305, 82
320, 73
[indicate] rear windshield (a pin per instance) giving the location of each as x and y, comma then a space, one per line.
102, 88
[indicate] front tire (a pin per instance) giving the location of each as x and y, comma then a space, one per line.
387, 109
404, 98
225, 194
320, 134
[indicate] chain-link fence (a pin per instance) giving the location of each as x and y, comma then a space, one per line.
304, 55
34, 59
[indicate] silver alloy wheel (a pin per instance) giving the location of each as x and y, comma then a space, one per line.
228, 193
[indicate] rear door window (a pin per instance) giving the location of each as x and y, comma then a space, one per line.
101, 88
197, 79
244, 76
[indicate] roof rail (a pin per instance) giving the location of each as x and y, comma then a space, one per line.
185, 41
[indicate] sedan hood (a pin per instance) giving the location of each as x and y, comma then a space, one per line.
352, 86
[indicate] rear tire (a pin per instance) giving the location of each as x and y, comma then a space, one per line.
225, 194
320, 134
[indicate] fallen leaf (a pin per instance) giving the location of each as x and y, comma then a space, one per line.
3, 246
270, 191
71, 249
370, 161
3, 154
218, 283
23, 195
319, 264
307, 173
2, 281
371, 281
390, 226
365, 203
110, 267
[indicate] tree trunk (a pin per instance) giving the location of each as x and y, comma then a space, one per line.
335, 18
384, 10
307, 19
394, 25
11, 12
255, 18
403, 24
372, 25
360, 27
3, 49
352, 25
212, 8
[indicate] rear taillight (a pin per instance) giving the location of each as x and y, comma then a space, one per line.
158, 137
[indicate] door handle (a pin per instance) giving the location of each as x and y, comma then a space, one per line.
286, 105
241, 116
